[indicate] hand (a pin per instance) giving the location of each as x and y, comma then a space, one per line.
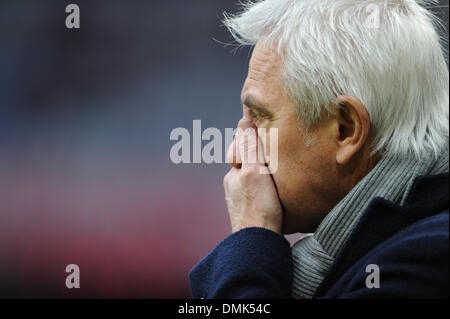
251, 195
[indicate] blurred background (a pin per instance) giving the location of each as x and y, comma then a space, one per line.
85, 119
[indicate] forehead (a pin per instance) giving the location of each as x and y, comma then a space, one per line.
264, 73
265, 63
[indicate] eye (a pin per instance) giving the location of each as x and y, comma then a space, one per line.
257, 116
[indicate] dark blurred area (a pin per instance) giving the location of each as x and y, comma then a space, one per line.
85, 119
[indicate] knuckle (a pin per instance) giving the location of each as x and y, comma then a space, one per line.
225, 180
247, 173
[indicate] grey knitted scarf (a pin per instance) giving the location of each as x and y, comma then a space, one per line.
391, 179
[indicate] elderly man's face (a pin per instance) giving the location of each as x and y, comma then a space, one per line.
306, 179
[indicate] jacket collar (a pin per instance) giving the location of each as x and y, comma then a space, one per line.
429, 196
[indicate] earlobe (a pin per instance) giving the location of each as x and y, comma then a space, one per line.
354, 125
345, 154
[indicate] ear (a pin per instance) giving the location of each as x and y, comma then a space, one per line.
353, 123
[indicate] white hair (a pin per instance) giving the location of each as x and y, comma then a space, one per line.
387, 53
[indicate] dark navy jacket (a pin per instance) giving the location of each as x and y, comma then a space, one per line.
410, 245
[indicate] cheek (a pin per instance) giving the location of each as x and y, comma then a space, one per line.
290, 170
293, 156
291, 174
297, 166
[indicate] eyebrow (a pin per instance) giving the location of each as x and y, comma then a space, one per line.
251, 103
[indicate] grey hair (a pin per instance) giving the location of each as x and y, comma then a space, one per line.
387, 53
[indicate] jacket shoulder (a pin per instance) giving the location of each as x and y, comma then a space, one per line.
413, 263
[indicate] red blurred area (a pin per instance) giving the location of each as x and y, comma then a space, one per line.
132, 237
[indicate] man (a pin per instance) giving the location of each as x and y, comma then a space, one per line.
358, 90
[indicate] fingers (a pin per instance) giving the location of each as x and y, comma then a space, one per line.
252, 200
228, 179
246, 139
233, 153
250, 148
244, 123
247, 146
